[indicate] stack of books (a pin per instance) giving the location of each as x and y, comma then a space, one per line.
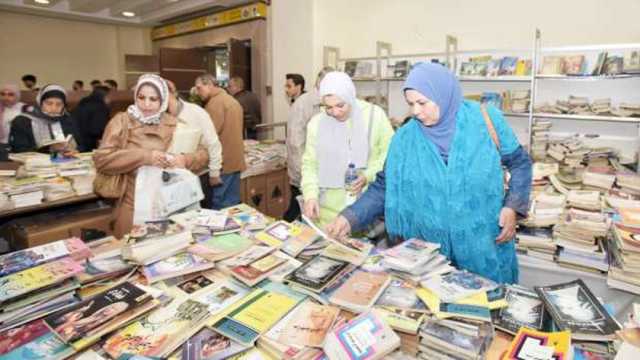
582, 239
263, 157
624, 272
446, 339
540, 139
414, 260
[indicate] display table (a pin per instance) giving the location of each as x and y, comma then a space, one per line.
537, 272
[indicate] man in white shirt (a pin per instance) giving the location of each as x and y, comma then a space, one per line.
302, 110
196, 117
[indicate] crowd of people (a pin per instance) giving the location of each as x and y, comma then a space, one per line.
438, 177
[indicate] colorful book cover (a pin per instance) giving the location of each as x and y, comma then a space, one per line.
248, 256
275, 234
365, 337
183, 263
256, 316
37, 277
301, 237
219, 247
219, 297
209, 345
457, 285
531, 344
75, 322
98, 268
317, 272
32, 341
400, 294
27, 258
361, 290
161, 332
309, 325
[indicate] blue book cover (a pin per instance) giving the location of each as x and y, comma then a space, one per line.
236, 331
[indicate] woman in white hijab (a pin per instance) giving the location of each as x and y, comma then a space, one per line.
141, 136
347, 131
10, 107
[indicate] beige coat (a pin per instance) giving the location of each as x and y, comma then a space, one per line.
226, 114
112, 158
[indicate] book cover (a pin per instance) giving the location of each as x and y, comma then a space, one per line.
218, 298
457, 285
300, 237
525, 309
220, 247
24, 259
452, 339
508, 65
316, 273
254, 317
248, 256
361, 290
308, 325
532, 344
37, 277
32, 341
410, 253
209, 345
183, 263
99, 268
160, 332
573, 307
275, 234
365, 337
75, 322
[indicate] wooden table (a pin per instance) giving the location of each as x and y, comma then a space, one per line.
47, 205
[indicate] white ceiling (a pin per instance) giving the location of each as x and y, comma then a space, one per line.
147, 12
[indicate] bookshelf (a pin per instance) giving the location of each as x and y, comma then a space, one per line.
617, 131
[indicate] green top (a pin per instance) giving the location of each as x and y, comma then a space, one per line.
332, 201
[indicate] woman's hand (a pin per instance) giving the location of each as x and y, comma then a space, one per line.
311, 209
508, 224
159, 159
178, 161
339, 228
358, 185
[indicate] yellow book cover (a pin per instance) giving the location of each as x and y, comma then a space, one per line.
521, 68
433, 302
267, 263
275, 234
530, 343
265, 311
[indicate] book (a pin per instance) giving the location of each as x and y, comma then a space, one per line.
552, 65
220, 247
38, 277
400, 294
181, 264
532, 344
258, 270
364, 337
155, 241
32, 341
219, 297
599, 67
258, 312
409, 255
508, 65
275, 234
76, 322
27, 258
209, 345
308, 325
248, 256
453, 339
360, 291
160, 332
525, 309
457, 285
573, 307
316, 273
300, 237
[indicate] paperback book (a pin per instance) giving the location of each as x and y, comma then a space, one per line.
360, 291
525, 309
181, 264
27, 258
317, 273
209, 345
308, 325
457, 285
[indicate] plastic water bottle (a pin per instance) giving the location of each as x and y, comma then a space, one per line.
350, 177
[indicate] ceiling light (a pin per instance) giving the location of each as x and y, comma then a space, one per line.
128, 14
42, 2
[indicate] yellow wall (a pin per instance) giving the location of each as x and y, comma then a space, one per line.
61, 51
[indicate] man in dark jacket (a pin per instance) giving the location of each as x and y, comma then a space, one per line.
91, 117
250, 106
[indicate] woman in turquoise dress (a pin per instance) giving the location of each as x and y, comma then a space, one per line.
443, 180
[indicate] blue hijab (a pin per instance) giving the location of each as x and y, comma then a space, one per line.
439, 85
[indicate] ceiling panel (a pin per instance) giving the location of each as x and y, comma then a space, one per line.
147, 12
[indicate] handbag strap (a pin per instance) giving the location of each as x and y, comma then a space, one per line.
490, 127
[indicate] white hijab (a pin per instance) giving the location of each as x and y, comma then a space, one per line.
337, 143
159, 84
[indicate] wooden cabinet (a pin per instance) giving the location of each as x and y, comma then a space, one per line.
269, 193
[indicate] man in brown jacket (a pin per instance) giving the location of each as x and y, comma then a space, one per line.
226, 113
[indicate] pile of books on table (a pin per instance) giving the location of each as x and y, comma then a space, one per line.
263, 157
217, 285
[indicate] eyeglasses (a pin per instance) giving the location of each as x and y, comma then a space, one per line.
7, 93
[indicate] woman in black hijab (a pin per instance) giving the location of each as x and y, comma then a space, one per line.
46, 127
